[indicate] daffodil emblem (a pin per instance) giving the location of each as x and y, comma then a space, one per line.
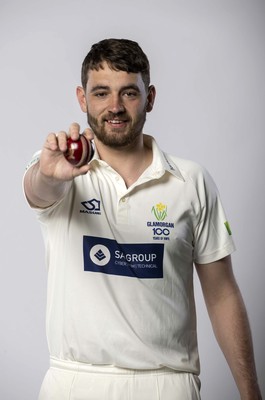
160, 211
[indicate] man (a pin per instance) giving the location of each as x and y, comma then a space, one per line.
122, 234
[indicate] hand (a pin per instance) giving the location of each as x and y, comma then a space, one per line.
52, 161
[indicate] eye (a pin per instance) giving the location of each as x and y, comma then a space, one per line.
100, 95
131, 94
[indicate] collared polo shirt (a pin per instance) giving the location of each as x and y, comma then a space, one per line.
120, 263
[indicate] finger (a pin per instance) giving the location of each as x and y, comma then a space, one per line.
52, 142
62, 141
88, 133
81, 170
74, 131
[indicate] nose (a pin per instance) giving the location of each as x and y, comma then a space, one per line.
116, 105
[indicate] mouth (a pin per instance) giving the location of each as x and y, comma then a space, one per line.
117, 123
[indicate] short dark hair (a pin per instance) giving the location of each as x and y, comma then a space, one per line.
120, 55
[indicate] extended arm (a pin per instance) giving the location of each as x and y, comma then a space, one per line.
47, 181
230, 324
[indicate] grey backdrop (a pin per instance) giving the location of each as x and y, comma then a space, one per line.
208, 65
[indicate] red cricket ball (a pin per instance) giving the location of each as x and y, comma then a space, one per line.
79, 152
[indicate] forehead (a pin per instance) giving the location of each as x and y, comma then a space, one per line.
113, 79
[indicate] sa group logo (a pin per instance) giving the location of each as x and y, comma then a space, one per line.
100, 255
134, 260
91, 207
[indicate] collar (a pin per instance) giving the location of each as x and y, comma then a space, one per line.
161, 163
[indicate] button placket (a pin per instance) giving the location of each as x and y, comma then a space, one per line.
123, 210
122, 197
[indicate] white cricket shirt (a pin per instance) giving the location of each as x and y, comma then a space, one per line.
120, 263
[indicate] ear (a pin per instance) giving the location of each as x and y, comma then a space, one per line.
81, 96
150, 98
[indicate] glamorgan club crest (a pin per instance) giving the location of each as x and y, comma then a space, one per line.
160, 228
160, 211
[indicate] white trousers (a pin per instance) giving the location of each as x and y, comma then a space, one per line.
76, 381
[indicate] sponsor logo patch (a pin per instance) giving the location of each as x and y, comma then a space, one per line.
136, 260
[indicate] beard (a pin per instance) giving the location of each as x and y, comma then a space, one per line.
117, 137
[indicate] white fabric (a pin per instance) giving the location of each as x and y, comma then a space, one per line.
120, 264
74, 381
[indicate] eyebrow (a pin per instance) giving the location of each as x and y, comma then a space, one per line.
99, 87
105, 87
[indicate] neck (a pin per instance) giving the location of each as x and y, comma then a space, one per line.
129, 162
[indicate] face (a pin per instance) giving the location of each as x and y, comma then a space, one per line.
116, 103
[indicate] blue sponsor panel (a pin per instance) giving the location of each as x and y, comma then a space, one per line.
135, 260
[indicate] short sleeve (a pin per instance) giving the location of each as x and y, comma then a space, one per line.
213, 236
